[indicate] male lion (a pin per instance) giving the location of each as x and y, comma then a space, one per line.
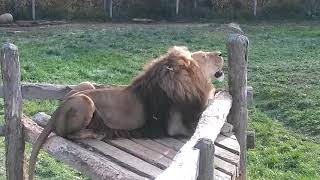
167, 98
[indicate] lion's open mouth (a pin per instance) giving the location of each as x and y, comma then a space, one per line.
219, 75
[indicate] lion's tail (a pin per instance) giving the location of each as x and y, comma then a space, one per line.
37, 146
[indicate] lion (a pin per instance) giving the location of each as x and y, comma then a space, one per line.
167, 98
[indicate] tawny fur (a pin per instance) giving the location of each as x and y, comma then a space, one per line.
174, 87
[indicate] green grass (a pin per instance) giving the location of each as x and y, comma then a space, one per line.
284, 63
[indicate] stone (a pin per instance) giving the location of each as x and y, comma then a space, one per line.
6, 18
41, 118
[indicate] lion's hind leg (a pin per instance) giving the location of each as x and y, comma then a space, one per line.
73, 117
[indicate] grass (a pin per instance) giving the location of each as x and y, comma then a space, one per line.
283, 69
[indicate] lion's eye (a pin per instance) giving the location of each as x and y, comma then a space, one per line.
220, 54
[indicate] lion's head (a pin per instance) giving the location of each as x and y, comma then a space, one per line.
211, 64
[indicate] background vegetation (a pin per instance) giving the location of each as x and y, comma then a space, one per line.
163, 9
284, 63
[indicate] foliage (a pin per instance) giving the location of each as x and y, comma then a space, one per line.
162, 9
283, 69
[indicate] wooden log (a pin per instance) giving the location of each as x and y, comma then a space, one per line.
185, 163
14, 138
90, 164
170, 143
48, 91
228, 142
237, 47
206, 159
33, 10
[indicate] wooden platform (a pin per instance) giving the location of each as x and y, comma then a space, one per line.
140, 158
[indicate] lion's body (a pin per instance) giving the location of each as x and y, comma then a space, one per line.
167, 98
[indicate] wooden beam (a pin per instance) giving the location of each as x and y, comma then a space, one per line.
185, 163
177, 6
14, 138
237, 47
206, 159
89, 163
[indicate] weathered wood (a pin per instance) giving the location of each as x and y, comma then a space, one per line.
171, 143
226, 155
222, 153
218, 175
148, 143
185, 163
125, 159
90, 164
225, 167
110, 9
251, 139
254, 8
177, 6
237, 47
249, 95
228, 143
14, 137
2, 130
48, 91
142, 152
33, 10
206, 159
105, 5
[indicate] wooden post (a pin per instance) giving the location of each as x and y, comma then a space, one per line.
195, 4
105, 5
206, 159
177, 7
254, 8
33, 10
237, 46
13, 103
110, 9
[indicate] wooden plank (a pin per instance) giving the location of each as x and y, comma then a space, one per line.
218, 175
14, 137
227, 155
225, 167
237, 47
148, 143
123, 158
185, 164
223, 153
90, 164
170, 142
142, 152
228, 143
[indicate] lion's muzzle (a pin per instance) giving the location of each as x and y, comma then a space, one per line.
219, 75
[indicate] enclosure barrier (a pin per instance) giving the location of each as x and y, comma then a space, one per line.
166, 158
